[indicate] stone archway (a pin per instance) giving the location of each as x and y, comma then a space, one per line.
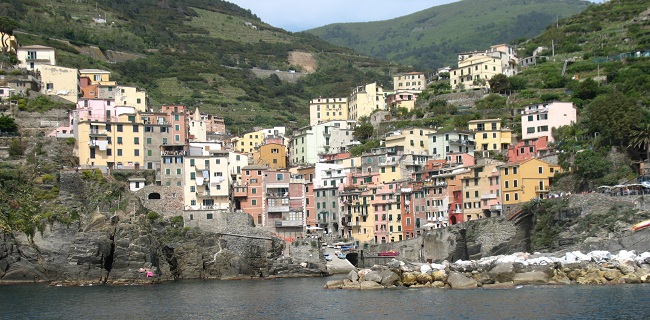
453, 220
154, 196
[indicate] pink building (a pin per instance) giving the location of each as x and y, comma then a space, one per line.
538, 120
179, 121
526, 149
248, 195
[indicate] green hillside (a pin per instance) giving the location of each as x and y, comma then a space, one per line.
195, 52
431, 38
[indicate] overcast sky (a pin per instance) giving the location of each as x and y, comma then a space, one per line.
300, 15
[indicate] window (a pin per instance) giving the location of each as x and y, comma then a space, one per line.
120, 128
178, 171
254, 202
109, 152
193, 175
530, 130
507, 197
136, 140
119, 140
136, 152
149, 153
168, 171
209, 216
119, 152
280, 176
192, 189
135, 129
507, 183
177, 117
516, 196
515, 183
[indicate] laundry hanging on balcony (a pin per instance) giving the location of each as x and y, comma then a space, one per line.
199, 181
102, 145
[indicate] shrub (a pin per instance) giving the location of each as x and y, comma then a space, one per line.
152, 216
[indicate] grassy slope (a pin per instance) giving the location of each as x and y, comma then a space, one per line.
431, 38
199, 57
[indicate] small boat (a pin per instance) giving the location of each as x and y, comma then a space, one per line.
390, 253
641, 225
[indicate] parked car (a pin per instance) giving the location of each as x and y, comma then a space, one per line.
341, 255
327, 256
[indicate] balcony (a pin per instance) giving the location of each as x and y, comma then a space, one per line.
241, 192
288, 223
277, 194
462, 142
280, 208
97, 132
541, 189
488, 196
216, 207
496, 207
173, 153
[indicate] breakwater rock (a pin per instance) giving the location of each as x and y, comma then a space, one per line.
505, 271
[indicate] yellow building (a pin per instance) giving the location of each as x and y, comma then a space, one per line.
366, 99
474, 72
327, 109
481, 193
489, 135
96, 76
414, 140
34, 57
249, 142
411, 81
273, 155
10, 44
60, 81
112, 145
131, 96
525, 180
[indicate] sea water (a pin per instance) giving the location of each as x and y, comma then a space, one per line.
305, 298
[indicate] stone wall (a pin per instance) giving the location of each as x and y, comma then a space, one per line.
217, 221
169, 204
33, 119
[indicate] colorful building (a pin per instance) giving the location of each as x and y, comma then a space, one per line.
525, 180
327, 109
539, 120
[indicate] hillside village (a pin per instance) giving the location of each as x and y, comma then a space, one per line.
308, 183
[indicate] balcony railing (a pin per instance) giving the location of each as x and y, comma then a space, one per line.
541, 189
97, 132
288, 223
280, 208
489, 196
496, 207
173, 153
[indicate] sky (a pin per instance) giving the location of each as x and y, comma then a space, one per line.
300, 15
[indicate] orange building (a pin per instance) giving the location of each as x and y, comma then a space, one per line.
272, 155
248, 194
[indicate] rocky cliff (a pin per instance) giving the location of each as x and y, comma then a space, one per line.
128, 243
583, 222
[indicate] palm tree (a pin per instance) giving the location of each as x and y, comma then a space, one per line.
640, 138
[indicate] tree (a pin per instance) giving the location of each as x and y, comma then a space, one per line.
614, 116
517, 82
7, 124
499, 83
591, 165
363, 132
640, 138
7, 26
587, 89
491, 102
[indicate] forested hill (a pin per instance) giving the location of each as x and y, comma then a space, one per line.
432, 38
196, 52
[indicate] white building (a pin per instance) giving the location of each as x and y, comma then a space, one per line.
538, 120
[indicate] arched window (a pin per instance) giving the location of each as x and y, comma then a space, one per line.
154, 196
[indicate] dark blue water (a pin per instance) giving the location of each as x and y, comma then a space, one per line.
306, 299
